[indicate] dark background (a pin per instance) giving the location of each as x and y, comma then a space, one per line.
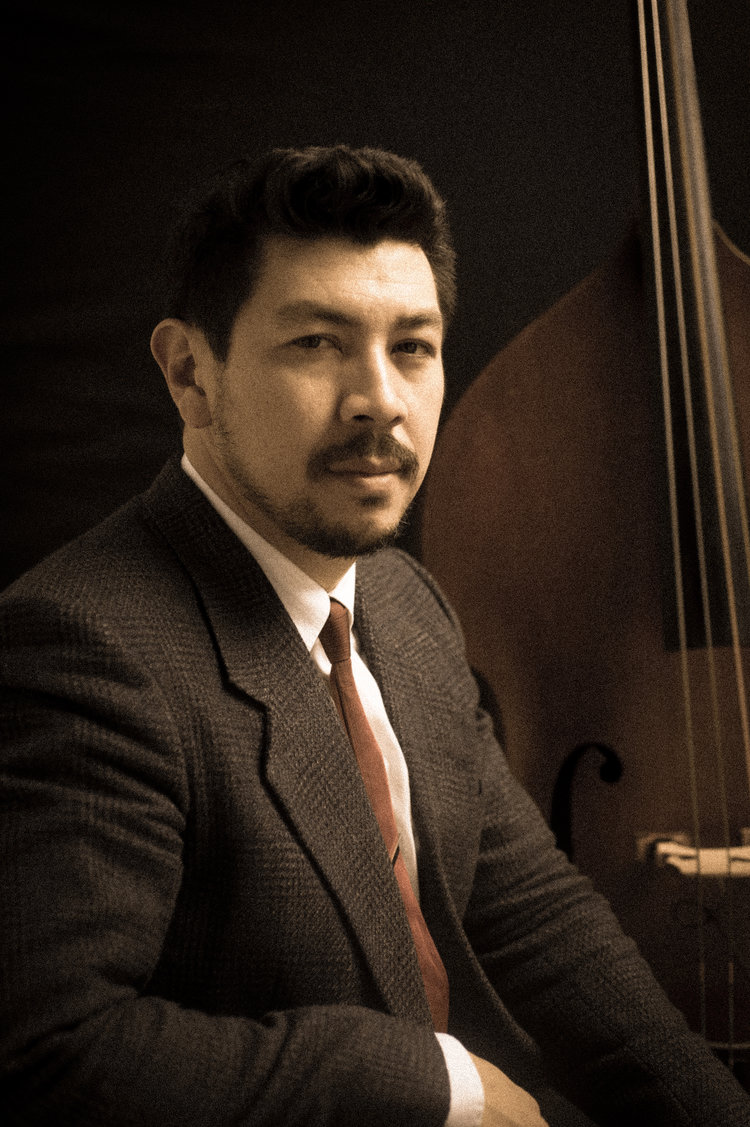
523, 113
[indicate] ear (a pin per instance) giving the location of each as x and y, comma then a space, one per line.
183, 354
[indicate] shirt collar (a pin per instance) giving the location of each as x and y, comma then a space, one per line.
305, 601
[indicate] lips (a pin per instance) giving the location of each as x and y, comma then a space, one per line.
366, 467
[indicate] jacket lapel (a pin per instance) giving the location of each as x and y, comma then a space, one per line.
398, 663
309, 762
399, 673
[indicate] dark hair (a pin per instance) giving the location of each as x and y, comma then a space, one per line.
366, 195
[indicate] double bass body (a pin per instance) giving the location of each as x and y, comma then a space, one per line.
547, 521
544, 522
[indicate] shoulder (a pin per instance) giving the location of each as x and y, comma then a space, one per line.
106, 590
121, 563
100, 629
398, 579
401, 605
108, 564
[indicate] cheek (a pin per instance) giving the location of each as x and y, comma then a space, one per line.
288, 433
426, 415
296, 405
277, 418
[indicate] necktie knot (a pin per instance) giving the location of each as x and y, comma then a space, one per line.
334, 636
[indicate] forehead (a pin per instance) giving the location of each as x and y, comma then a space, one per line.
390, 277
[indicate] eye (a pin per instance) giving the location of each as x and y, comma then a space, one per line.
314, 340
415, 348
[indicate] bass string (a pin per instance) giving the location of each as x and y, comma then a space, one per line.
660, 301
703, 268
718, 389
729, 484
737, 466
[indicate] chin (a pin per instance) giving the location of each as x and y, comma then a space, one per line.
342, 542
372, 527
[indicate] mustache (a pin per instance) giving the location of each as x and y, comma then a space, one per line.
367, 445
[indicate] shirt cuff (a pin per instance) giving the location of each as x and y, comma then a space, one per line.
467, 1092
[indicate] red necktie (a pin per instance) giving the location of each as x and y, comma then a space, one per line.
335, 640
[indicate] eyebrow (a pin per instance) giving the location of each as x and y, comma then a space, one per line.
312, 310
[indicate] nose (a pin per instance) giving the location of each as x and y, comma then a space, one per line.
373, 390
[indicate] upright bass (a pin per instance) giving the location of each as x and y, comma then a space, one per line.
586, 512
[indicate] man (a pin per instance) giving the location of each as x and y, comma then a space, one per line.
209, 917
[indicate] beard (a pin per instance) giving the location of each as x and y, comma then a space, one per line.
301, 518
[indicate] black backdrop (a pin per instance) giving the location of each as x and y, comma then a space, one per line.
523, 113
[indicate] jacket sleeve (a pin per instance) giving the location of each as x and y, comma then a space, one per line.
559, 960
94, 801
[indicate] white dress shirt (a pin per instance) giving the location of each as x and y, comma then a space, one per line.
308, 605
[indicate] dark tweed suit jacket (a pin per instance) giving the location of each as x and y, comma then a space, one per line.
200, 925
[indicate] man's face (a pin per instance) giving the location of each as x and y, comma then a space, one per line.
324, 415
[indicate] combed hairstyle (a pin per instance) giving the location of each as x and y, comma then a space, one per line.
365, 195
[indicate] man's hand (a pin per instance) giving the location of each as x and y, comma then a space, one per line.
505, 1104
